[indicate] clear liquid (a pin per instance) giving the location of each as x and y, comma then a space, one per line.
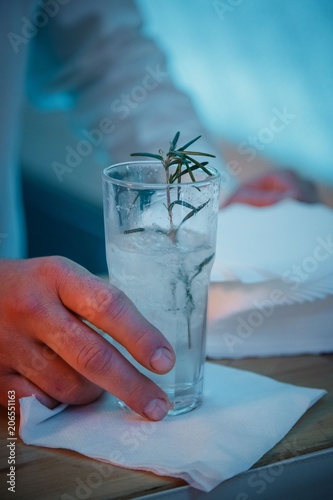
168, 282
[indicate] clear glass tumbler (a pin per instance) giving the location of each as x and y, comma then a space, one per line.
160, 247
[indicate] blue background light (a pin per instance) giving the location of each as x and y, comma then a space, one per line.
242, 59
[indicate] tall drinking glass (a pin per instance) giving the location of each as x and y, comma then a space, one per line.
160, 247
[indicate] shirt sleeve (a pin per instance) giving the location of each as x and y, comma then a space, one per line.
93, 62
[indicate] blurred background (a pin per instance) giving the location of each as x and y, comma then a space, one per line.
243, 60
259, 76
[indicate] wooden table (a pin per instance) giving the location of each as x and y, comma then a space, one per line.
49, 474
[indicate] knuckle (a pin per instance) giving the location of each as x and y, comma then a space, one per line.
102, 302
57, 262
71, 393
30, 295
31, 305
94, 359
134, 393
82, 392
63, 335
142, 338
112, 303
132, 397
54, 267
24, 304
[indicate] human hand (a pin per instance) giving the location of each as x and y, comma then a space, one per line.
273, 187
47, 350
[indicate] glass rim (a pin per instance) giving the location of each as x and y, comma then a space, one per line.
156, 186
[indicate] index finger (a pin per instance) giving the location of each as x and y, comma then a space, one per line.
109, 309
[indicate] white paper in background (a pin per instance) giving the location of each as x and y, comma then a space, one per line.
273, 278
256, 244
243, 416
298, 329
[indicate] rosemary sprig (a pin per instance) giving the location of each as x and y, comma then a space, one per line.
185, 164
180, 157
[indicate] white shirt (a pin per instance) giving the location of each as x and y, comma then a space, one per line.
88, 65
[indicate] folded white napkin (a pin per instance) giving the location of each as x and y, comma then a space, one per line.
267, 319
289, 240
243, 415
272, 287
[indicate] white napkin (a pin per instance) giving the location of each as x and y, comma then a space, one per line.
272, 287
268, 319
259, 244
242, 417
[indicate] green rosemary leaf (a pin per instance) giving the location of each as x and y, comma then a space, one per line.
180, 173
193, 212
177, 162
135, 230
199, 154
182, 203
200, 267
174, 142
189, 171
179, 158
189, 143
177, 174
199, 165
151, 155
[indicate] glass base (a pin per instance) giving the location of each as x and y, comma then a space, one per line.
184, 405
183, 399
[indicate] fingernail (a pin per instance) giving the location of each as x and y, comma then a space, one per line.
156, 409
162, 360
